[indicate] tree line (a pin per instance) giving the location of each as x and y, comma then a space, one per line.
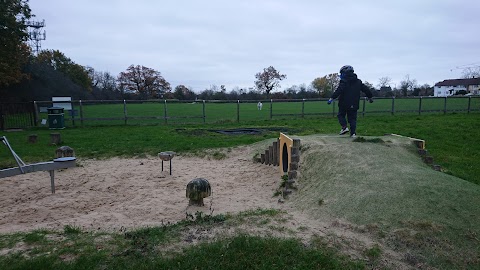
25, 76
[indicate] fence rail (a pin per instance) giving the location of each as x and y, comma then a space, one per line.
164, 112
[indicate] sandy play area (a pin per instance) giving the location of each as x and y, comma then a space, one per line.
116, 194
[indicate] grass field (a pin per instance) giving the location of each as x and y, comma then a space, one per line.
154, 112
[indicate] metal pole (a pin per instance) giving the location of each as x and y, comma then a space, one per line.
445, 106
52, 180
125, 113
393, 105
420, 106
204, 117
363, 112
72, 112
165, 114
238, 111
35, 106
271, 109
303, 108
469, 102
81, 112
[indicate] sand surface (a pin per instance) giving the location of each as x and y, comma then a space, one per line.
118, 193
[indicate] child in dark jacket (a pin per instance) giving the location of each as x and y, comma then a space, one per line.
348, 94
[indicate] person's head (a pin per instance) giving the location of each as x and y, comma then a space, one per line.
346, 70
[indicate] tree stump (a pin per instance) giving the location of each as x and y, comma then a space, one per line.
32, 138
55, 138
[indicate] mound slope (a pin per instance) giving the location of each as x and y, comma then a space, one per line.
386, 186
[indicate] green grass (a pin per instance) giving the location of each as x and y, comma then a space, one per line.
452, 139
154, 112
154, 248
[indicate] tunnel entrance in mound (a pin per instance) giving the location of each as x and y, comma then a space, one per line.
285, 158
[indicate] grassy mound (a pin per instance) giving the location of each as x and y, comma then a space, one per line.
382, 184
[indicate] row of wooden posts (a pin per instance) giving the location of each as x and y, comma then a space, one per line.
272, 157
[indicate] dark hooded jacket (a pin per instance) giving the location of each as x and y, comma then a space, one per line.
348, 91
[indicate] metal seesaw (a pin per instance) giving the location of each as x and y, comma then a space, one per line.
50, 166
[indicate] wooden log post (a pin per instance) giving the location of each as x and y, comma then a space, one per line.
292, 175
32, 138
270, 153
262, 158
428, 160
294, 166
55, 138
422, 152
275, 153
267, 157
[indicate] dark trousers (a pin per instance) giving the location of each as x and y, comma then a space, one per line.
351, 115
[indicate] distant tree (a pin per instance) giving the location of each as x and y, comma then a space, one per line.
386, 91
182, 92
424, 90
268, 80
384, 82
144, 81
59, 62
471, 72
407, 85
14, 52
104, 85
326, 85
370, 86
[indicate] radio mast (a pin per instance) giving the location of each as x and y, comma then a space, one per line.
35, 35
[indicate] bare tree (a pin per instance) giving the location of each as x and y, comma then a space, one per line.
269, 79
384, 82
146, 82
407, 85
471, 72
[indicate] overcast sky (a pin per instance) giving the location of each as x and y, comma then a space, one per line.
200, 43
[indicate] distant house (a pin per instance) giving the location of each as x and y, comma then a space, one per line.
451, 87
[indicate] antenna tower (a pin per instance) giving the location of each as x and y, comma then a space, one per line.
35, 34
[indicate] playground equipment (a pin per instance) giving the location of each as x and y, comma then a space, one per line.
167, 156
50, 166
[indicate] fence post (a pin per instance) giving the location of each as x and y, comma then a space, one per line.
238, 111
165, 111
35, 115
271, 109
469, 102
81, 112
363, 112
393, 105
125, 113
72, 112
303, 108
445, 106
420, 106
204, 118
